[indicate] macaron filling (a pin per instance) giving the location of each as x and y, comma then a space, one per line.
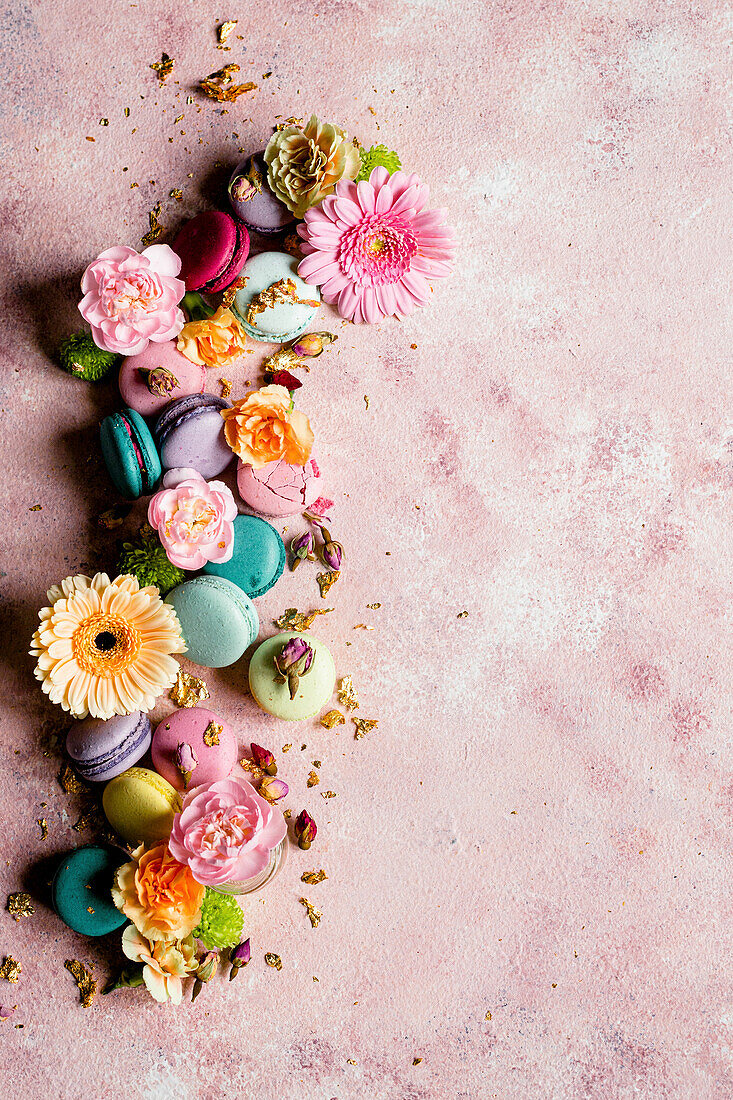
138, 453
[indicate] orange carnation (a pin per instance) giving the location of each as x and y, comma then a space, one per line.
265, 427
159, 895
213, 342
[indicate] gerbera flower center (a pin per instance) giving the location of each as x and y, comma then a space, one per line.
105, 645
378, 250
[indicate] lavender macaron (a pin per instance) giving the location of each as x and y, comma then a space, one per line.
190, 435
101, 749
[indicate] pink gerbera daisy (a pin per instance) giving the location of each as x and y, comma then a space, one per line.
373, 248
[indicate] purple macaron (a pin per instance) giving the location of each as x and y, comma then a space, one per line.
101, 749
212, 248
190, 435
252, 200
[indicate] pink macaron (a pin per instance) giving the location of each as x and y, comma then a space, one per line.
211, 739
212, 247
147, 394
278, 489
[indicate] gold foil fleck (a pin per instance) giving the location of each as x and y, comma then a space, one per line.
43, 826
332, 718
328, 794
487, 1016
156, 229
212, 734
175, 193
316, 763
286, 748
292, 619
347, 693
284, 291
313, 877
350, 1062
362, 626
70, 781
188, 690
287, 814
313, 779
85, 820
11, 969
416, 1061
226, 387
163, 68
254, 769
291, 245
462, 615
273, 960
20, 905
219, 85
85, 981
326, 581
364, 725
373, 606
366, 400
314, 915
224, 30
231, 293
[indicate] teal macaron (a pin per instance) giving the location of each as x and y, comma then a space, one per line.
218, 620
258, 557
130, 454
81, 890
285, 320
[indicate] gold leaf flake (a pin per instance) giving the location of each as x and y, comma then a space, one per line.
366, 400
284, 291
313, 877
292, 619
314, 915
332, 718
156, 229
416, 1061
85, 820
11, 969
35, 508
254, 769
292, 121
286, 748
316, 763
224, 30
328, 794
219, 85
188, 690
20, 905
347, 693
212, 733
313, 779
86, 983
274, 960
350, 1062
292, 244
104, 122
163, 68
362, 626
231, 293
43, 826
70, 781
364, 725
287, 814
226, 387
373, 606
487, 1016
462, 615
175, 192
326, 581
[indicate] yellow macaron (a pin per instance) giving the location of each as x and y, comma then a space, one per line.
140, 805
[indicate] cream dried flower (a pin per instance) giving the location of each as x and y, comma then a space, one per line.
304, 165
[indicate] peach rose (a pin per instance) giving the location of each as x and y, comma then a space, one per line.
214, 342
158, 894
265, 427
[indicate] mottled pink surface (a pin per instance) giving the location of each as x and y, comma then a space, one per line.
529, 861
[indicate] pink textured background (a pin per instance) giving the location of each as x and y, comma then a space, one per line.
540, 829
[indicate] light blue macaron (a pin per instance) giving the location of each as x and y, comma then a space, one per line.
284, 321
218, 620
257, 560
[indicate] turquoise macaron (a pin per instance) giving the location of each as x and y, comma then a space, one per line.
130, 454
218, 620
257, 560
283, 321
81, 887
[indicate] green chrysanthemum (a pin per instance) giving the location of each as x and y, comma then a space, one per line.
80, 356
221, 921
379, 156
148, 561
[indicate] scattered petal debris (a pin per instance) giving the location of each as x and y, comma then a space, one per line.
188, 690
163, 68
20, 905
85, 981
326, 581
364, 725
11, 969
156, 229
313, 779
313, 877
43, 826
292, 619
212, 733
273, 960
219, 85
332, 718
347, 693
314, 915
224, 30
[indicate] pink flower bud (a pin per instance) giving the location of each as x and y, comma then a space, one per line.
302, 548
207, 968
239, 956
305, 830
263, 758
311, 344
160, 382
273, 789
185, 760
294, 660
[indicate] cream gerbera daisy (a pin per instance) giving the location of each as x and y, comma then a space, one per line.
104, 647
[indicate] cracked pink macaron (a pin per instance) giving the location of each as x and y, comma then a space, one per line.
160, 374
278, 489
212, 248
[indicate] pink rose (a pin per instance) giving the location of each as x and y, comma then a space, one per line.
193, 519
225, 832
131, 298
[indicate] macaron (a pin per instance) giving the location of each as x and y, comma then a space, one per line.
101, 749
218, 620
286, 320
212, 741
148, 397
314, 689
140, 805
129, 453
278, 489
81, 890
254, 202
258, 557
190, 435
212, 247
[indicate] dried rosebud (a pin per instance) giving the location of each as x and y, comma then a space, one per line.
332, 553
311, 344
273, 789
305, 830
239, 957
294, 660
207, 968
263, 758
242, 189
160, 382
7, 1012
283, 378
302, 548
185, 760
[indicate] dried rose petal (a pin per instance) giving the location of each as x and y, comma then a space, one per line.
273, 789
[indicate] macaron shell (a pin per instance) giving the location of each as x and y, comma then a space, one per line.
264, 212
258, 557
140, 805
81, 887
210, 246
190, 434
129, 453
190, 377
284, 321
236, 263
278, 489
314, 689
101, 749
213, 761
218, 620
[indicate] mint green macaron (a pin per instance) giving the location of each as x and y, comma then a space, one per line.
314, 689
218, 620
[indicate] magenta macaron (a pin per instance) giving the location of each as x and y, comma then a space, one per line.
211, 739
148, 394
212, 248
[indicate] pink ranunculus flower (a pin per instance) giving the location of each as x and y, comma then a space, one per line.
193, 519
225, 832
373, 248
131, 298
